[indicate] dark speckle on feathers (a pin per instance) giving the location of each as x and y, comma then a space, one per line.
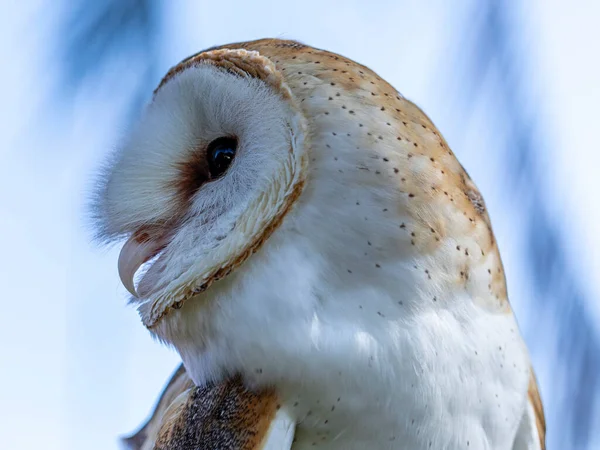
476, 199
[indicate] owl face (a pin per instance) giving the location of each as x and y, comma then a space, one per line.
209, 171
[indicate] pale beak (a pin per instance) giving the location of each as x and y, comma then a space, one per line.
134, 253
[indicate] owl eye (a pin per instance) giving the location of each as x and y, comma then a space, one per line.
220, 154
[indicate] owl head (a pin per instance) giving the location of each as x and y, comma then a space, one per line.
269, 185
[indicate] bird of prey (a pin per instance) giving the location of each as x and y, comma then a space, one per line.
320, 260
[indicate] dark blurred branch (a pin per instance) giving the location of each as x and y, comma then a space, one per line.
95, 35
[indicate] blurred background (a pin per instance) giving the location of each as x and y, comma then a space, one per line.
513, 86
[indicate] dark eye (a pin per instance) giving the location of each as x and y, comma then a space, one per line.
220, 154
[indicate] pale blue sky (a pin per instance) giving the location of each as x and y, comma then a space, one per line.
77, 365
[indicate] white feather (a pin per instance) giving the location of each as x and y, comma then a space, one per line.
281, 434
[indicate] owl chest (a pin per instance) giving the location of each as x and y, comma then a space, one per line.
439, 389
370, 364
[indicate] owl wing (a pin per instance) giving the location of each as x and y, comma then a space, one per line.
224, 415
144, 438
531, 434
537, 410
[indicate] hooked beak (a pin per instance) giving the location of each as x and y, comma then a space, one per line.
138, 249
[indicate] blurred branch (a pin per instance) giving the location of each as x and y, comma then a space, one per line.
95, 35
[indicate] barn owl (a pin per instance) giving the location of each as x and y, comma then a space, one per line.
319, 259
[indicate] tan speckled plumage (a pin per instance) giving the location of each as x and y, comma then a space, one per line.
442, 199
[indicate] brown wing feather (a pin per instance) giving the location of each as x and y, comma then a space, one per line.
223, 416
536, 402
